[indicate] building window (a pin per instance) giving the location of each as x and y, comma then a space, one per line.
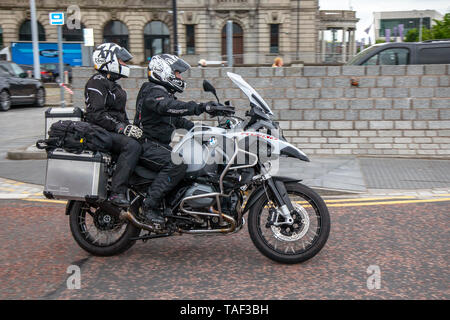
274, 38
116, 32
190, 39
73, 34
25, 31
408, 24
156, 39
1, 38
238, 43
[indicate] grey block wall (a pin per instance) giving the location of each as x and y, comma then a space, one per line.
395, 110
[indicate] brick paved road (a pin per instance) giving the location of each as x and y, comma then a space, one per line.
408, 241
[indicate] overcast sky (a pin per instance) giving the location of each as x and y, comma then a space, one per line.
365, 8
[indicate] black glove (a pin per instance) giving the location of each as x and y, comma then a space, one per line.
214, 108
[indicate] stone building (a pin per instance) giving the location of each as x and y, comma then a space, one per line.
262, 29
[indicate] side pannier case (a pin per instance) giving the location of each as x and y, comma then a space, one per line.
76, 176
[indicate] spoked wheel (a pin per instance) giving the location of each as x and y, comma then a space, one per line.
296, 242
98, 232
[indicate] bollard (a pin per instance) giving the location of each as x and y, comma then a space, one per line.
29, 73
66, 77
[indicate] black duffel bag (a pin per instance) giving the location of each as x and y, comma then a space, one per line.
76, 137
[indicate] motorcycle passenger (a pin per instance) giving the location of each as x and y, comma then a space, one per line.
105, 106
158, 114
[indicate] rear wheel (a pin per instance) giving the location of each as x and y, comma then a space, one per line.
98, 232
297, 242
5, 101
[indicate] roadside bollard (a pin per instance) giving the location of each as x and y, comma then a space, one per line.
29, 73
66, 77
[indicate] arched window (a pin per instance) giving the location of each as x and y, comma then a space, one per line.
238, 43
25, 31
156, 39
116, 32
73, 34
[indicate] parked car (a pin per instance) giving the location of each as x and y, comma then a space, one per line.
53, 71
45, 76
401, 53
17, 88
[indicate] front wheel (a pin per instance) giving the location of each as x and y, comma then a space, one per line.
297, 242
98, 232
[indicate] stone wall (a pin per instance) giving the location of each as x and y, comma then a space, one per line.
395, 110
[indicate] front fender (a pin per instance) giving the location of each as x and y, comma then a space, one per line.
259, 192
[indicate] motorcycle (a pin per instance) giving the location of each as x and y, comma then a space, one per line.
229, 174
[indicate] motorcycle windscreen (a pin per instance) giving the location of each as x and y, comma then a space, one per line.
251, 93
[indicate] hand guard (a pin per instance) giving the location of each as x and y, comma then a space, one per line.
214, 108
132, 131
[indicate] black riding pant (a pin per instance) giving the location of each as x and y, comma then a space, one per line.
157, 157
128, 151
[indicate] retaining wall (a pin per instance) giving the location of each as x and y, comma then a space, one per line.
395, 110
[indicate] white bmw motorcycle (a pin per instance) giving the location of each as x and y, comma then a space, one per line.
232, 171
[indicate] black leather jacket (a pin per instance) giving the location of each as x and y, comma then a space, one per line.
105, 103
159, 113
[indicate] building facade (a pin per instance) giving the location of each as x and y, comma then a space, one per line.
409, 19
262, 29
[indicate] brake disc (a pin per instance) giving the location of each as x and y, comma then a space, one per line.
297, 230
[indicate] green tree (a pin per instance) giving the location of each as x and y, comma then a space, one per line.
413, 35
441, 30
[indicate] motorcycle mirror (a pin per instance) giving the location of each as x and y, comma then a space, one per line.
208, 87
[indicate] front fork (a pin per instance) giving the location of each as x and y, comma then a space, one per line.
281, 198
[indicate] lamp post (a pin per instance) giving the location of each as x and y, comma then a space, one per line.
420, 27
34, 35
175, 33
298, 30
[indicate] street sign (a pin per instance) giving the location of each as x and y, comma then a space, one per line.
56, 18
88, 35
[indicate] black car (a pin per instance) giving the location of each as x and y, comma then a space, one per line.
17, 88
402, 53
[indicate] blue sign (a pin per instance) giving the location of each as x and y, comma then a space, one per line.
22, 53
56, 18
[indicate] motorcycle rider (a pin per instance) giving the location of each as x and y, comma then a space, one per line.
158, 114
105, 106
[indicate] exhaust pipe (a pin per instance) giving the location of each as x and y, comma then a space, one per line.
125, 215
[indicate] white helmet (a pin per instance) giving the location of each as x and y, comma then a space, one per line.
106, 59
162, 68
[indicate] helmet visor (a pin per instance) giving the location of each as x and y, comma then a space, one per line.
124, 55
180, 65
